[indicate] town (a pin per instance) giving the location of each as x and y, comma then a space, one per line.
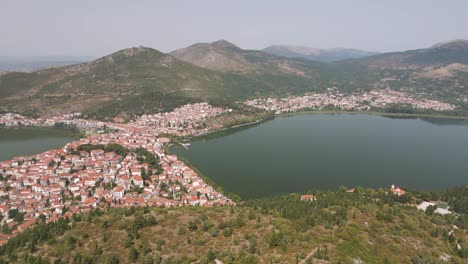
66, 181
333, 98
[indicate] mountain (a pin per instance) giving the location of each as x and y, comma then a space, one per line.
143, 80
440, 71
224, 56
34, 63
324, 55
131, 79
437, 55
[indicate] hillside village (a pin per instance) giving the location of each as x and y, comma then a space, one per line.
333, 98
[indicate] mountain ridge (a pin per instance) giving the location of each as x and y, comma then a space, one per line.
316, 54
141, 80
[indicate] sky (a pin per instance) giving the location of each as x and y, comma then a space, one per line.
99, 27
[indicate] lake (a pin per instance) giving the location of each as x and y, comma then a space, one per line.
27, 141
324, 151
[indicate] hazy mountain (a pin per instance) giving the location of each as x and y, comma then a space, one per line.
142, 80
117, 79
324, 55
439, 71
226, 57
437, 55
33, 63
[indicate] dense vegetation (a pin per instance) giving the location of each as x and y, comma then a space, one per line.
341, 227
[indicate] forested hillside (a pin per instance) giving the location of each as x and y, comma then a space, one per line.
368, 225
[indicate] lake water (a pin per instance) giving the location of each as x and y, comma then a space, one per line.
305, 152
27, 141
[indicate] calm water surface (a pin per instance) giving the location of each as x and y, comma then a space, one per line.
27, 141
304, 152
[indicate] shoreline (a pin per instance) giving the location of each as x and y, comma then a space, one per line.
416, 115
323, 112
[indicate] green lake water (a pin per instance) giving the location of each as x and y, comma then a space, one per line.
325, 151
27, 141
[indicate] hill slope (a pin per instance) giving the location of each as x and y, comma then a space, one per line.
440, 71
324, 55
124, 76
338, 227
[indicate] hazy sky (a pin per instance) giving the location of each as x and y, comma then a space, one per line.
99, 27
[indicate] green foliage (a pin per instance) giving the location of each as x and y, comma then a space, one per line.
16, 215
145, 156
321, 253
431, 209
6, 229
133, 254
282, 233
192, 226
181, 231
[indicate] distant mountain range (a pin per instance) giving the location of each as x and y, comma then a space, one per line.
34, 63
143, 80
325, 55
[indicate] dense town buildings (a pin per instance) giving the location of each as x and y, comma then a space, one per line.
336, 99
64, 181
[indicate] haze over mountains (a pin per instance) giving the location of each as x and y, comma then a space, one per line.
33, 63
314, 54
143, 80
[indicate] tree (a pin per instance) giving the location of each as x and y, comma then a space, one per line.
6, 229
148, 259
211, 256
192, 226
181, 231
240, 221
133, 254
252, 245
12, 213
275, 238
431, 209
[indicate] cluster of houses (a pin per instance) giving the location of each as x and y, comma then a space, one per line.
187, 120
333, 98
69, 180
